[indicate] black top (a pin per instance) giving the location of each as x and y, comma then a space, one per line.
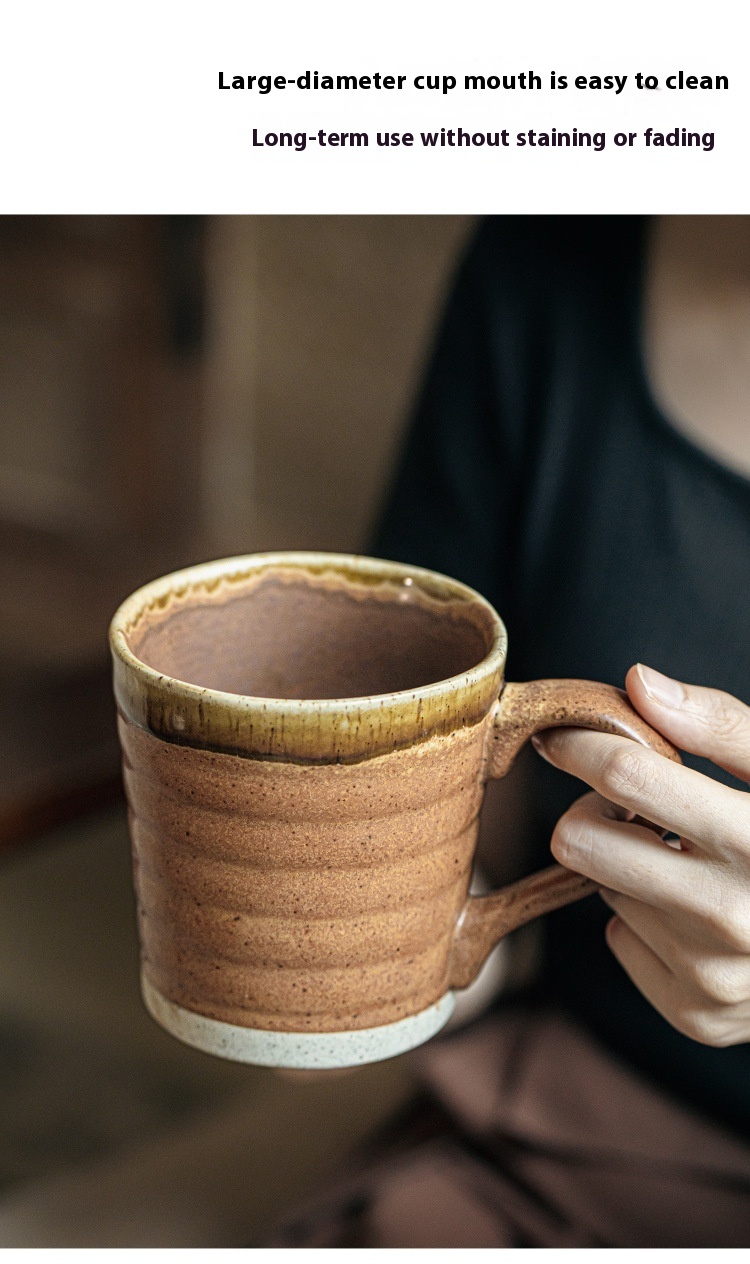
541, 471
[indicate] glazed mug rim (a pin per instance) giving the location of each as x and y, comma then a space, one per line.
181, 711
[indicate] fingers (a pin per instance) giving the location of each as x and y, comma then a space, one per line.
705, 722
591, 838
689, 1010
703, 964
707, 899
711, 815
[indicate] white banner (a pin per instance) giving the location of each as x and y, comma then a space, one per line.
395, 106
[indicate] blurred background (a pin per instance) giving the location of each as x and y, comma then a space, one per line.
171, 389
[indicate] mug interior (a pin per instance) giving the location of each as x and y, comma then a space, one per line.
292, 634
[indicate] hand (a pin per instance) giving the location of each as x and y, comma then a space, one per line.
682, 924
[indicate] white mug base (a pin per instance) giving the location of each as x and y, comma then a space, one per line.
292, 1049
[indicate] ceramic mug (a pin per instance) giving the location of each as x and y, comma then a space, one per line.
306, 738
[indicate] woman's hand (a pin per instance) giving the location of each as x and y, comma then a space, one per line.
682, 924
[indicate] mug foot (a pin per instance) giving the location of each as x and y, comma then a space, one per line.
292, 1049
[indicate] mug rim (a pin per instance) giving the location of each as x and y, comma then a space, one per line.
314, 730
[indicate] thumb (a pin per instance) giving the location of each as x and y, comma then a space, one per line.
703, 721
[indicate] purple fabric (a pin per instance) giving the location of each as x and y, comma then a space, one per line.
548, 1142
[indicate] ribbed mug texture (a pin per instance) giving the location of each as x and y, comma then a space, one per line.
300, 862
302, 898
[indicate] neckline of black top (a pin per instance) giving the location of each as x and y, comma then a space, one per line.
653, 410
667, 426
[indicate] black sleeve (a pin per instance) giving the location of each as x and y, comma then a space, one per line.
455, 496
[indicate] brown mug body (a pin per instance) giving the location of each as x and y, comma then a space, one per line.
306, 739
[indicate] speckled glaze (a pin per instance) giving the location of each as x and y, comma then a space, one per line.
311, 1050
302, 860
215, 714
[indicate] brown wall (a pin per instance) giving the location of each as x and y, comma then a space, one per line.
136, 436
123, 452
306, 407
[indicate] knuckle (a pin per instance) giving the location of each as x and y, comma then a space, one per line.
703, 1026
722, 1037
722, 982
627, 775
733, 928
566, 838
723, 911
574, 837
727, 717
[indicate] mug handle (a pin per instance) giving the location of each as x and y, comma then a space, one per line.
524, 709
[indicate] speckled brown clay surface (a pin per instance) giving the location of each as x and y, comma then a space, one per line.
544, 704
294, 898
525, 709
306, 739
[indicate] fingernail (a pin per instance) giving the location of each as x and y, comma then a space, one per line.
663, 689
538, 744
611, 929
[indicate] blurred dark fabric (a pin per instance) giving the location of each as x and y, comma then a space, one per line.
540, 471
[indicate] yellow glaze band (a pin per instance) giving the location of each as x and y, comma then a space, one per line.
329, 730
